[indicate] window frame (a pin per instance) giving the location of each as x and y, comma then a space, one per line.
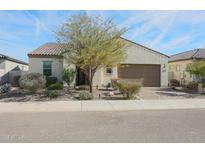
107, 72
47, 68
178, 68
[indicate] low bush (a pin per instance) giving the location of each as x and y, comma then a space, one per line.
69, 76
114, 83
192, 85
51, 80
32, 81
129, 89
55, 86
85, 95
5, 88
174, 82
52, 93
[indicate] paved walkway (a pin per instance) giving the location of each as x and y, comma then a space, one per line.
109, 105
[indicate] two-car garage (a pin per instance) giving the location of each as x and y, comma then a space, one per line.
147, 74
144, 65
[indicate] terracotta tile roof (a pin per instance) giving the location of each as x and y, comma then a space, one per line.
191, 54
55, 49
49, 49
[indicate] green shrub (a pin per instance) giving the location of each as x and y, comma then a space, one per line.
85, 95
32, 81
51, 80
174, 82
5, 88
129, 89
114, 83
52, 93
192, 85
69, 75
55, 86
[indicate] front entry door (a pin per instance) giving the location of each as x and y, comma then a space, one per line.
81, 78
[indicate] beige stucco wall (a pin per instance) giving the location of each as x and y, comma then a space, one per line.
101, 78
181, 74
36, 66
6, 66
9, 65
2, 67
136, 54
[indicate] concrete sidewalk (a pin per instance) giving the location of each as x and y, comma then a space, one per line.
108, 105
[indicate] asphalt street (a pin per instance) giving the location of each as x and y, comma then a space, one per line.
116, 126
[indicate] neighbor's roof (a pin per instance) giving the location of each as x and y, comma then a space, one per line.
191, 54
12, 59
55, 49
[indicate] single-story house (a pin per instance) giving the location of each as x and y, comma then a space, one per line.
10, 67
179, 62
142, 64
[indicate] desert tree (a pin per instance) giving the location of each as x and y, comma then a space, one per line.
197, 68
92, 43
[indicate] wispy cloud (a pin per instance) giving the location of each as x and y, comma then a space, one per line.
146, 21
174, 43
38, 23
167, 31
164, 31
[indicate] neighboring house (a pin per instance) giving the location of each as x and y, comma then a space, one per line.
142, 64
10, 67
178, 63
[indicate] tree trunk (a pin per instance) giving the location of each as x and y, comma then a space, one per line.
90, 80
90, 86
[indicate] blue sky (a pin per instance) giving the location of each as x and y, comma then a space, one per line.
168, 32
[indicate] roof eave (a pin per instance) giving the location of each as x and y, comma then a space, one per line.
180, 60
43, 56
145, 47
13, 60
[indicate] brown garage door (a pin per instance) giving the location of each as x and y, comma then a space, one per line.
148, 75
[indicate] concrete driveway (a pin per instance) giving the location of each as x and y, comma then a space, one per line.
166, 93
130, 126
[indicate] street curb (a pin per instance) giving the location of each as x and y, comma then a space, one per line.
107, 105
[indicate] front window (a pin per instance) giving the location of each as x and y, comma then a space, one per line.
178, 68
47, 68
109, 70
